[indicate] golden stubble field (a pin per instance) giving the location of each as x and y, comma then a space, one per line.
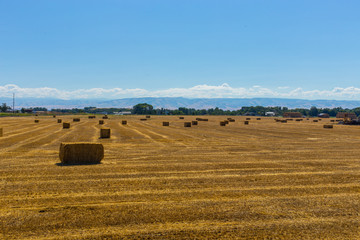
270, 180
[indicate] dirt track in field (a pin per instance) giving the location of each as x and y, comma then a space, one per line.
292, 180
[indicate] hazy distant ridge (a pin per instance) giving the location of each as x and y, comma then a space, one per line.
173, 103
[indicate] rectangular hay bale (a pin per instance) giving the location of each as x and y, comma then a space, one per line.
187, 124
123, 122
194, 122
101, 121
59, 121
81, 153
105, 133
328, 126
166, 124
76, 119
66, 125
36, 121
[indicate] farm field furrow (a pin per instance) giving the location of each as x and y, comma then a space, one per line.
265, 180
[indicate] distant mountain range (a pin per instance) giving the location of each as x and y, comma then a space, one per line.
174, 103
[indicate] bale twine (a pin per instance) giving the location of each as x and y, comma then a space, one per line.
59, 121
246, 122
101, 121
166, 124
123, 122
194, 122
76, 119
36, 121
147, 116
81, 153
328, 126
1, 132
187, 124
105, 133
222, 123
66, 125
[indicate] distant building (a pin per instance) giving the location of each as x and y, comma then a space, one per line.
270, 114
346, 115
323, 115
292, 115
122, 113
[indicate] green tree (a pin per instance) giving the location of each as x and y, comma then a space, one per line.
142, 108
4, 107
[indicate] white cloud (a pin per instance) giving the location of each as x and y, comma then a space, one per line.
199, 91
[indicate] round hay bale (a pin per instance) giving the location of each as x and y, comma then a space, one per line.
105, 133
328, 126
81, 153
194, 122
59, 121
66, 125
123, 122
246, 122
166, 124
187, 124
36, 121
101, 121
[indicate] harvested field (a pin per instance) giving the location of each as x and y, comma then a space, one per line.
262, 180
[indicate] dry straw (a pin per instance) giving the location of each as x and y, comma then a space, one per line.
81, 153
66, 125
1, 132
166, 124
105, 133
187, 124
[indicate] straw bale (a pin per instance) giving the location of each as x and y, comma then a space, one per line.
105, 133
81, 153
222, 123
332, 120
143, 119
283, 121
187, 124
1, 132
59, 121
91, 117
166, 124
246, 122
232, 120
328, 126
258, 118
66, 125
194, 122
315, 120
226, 121
36, 121
248, 119
147, 116
101, 121
181, 117
76, 119
54, 116
123, 122
105, 117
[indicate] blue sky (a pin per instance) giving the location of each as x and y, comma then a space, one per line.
192, 48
